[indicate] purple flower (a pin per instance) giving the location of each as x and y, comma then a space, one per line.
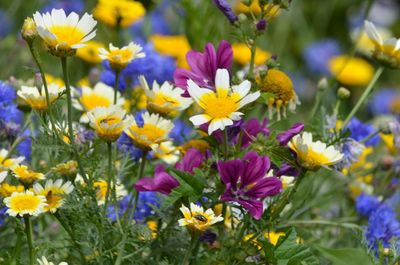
161, 182
251, 129
226, 9
285, 137
261, 24
204, 66
191, 160
246, 182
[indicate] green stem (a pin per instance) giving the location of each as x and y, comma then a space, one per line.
317, 103
29, 237
395, 260
117, 72
364, 96
109, 177
16, 256
321, 222
250, 74
189, 251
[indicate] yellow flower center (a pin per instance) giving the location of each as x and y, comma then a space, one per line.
150, 132
101, 187
121, 55
92, 101
220, 107
67, 35
53, 199
24, 202
312, 159
7, 162
110, 120
6, 189
161, 99
279, 84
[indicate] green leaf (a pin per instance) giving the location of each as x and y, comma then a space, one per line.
344, 255
289, 252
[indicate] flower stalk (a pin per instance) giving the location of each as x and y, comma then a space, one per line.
117, 74
29, 237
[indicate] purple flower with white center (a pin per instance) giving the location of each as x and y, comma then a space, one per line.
204, 66
285, 137
246, 182
161, 182
226, 9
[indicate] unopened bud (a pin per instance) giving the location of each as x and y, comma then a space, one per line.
261, 24
343, 93
29, 31
242, 17
322, 84
387, 162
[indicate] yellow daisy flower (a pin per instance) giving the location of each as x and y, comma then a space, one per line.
242, 54
101, 191
25, 203
68, 168
29, 30
6, 189
90, 52
196, 219
54, 193
220, 106
52, 79
109, 122
165, 100
100, 96
119, 58
271, 9
364, 44
25, 175
312, 155
37, 100
63, 35
166, 151
351, 71
155, 130
119, 13
176, 46
8, 163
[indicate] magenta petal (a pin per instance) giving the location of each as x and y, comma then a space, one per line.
162, 182
265, 187
285, 137
230, 171
210, 60
191, 160
224, 55
195, 60
254, 207
251, 129
256, 168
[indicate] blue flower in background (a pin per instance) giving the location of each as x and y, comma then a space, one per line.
7, 93
5, 23
69, 6
366, 204
385, 101
125, 144
317, 55
2, 215
360, 130
147, 201
25, 147
180, 132
351, 150
154, 67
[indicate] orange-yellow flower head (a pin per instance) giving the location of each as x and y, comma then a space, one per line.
119, 13
119, 58
25, 203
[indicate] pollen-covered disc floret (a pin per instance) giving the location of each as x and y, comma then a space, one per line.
54, 192
281, 90
25, 175
387, 51
165, 100
220, 106
313, 154
119, 58
25, 203
109, 122
196, 219
64, 34
37, 100
99, 96
154, 130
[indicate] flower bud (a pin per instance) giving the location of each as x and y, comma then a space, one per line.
261, 24
343, 93
322, 84
29, 31
242, 17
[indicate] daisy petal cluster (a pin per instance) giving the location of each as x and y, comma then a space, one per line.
119, 58
196, 219
25, 175
25, 203
37, 99
54, 193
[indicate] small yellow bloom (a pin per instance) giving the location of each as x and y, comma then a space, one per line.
138, 100
54, 193
25, 203
101, 191
63, 35
388, 140
155, 130
351, 71
25, 175
121, 13
109, 122
38, 100
166, 151
8, 163
29, 30
242, 54
272, 237
6, 189
52, 79
153, 226
176, 46
68, 168
196, 219
200, 145
119, 58
90, 52
270, 9
313, 154
165, 100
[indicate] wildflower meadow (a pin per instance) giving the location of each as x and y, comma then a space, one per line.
199, 132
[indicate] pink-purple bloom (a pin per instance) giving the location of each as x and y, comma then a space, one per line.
226, 9
204, 66
285, 137
246, 182
191, 160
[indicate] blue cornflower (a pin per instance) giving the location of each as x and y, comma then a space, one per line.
366, 204
317, 55
360, 130
147, 201
11, 119
3, 211
69, 6
125, 144
351, 151
180, 132
385, 101
154, 67
25, 147
5, 23
7, 93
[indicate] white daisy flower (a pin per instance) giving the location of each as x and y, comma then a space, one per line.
119, 58
37, 100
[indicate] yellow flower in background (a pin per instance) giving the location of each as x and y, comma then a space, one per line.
351, 71
83, 82
68, 168
388, 139
200, 145
272, 237
153, 226
155, 130
166, 151
357, 187
122, 13
90, 52
364, 43
54, 193
165, 100
38, 100
220, 106
176, 46
109, 122
7, 189
270, 9
52, 79
101, 190
100, 96
196, 219
25, 203
63, 35
242, 54
281, 88
313, 154
138, 99
25, 175
8, 163
119, 58
29, 29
